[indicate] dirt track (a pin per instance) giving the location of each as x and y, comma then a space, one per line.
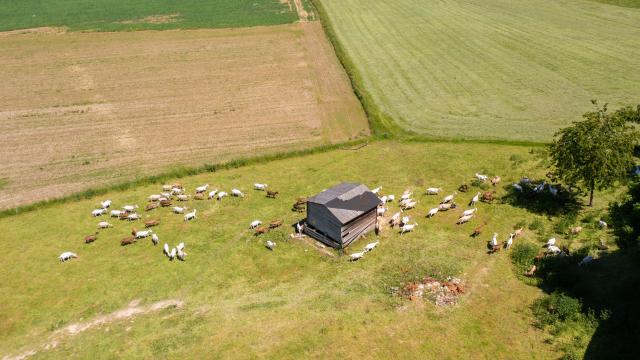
84, 109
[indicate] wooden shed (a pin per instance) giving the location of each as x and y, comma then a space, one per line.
339, 215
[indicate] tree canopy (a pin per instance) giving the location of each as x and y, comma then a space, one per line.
596, 152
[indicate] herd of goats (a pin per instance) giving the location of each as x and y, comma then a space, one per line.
399, 219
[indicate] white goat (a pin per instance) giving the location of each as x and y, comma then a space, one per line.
482, 177
132, 217
410, 205
143, 234
433, 212
130, 207
602, 224
254, 224
464, 219
181, 254
104, 225
166, 187
474, 200
433, 191
376, 190
67, 255
356, 256
553, 250
201, 189
381, 210
98, 212
183, 197
384, 199
406, 195
155, 197
469, 212
237, 193
180, 246
551, 242
494, 239
117, 213
391, 198
448, 198
172, 254
105, 204
270, 245
155, 239
405, 220
300, 227
190, 216
407, 228
222, 194
165, 249
259, 186
371, 246
176, 191
509, 241
179, 210
213, 193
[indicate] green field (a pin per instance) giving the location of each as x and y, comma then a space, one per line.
489, 69
243, 301
116, 15
624, 3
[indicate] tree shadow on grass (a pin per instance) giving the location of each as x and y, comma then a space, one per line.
609, 288
564, 203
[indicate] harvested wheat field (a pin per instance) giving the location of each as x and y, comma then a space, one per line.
87, 109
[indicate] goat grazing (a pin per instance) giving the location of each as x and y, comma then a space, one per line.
376, 190
447, 199
495, 180
212, 194
179, 209
151, 223
130, 208
447, 206
478, 229
66, 256
222, 194
165, 249
98, 212
105, 204
201, 189
482, 177
155, 239
91, 238
104, 225
433, 191
270, 245
371, 246
474, 200
272, 194
356, 256
254, 224
143, 234
190, 216
128, 241
237, 193
464, 219
151, 206
407, 228
133, 217
469, 212
433, 212
261, 187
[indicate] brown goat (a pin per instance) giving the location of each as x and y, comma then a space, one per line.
134, 231
478, 229
198, 196
488, 196
123, 215
463, 188
531, 271
150, 223
165, 203
495, 248
151, 206
495, 180
275, 223
261, 230
128, 241
91, 238
272, 194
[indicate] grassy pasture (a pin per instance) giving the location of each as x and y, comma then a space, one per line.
242, 301
624, 3
117, 15
497, 69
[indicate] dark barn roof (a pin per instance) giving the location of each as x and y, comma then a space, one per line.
347, 201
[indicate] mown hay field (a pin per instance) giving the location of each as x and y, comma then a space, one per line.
244, 301
496, 69
82, 110
117, 15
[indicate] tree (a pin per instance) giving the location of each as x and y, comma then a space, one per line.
596, 152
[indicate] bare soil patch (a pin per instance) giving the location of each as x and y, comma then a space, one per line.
76, 115
46, 30
154, 19
133, 309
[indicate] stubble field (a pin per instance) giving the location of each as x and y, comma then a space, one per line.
87, 109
